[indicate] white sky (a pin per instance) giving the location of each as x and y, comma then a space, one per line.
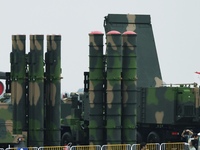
176, 26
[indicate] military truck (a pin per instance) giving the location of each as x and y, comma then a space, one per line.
33, 114
163, 111
30, 109
124, 98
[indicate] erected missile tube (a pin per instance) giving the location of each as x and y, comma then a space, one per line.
53, 90
96, 80
18, 79
36, 90
113, 90
129, 85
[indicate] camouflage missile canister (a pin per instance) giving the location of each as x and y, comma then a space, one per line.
53, 90
129, 80
36, 91
18, 78
96, 79
113, 98
148, 69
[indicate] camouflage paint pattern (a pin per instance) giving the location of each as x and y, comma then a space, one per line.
96, 79
75, 121
36, 91
71, 114
129, 87
6, 125
148, 69
160, 104
68, 111
113, 90
188, 104
18, 78
66, 105
53, 90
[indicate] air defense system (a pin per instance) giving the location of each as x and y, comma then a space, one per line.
34, 87
163, 111
124, 99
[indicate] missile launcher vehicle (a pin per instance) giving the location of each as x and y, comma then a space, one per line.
124, 99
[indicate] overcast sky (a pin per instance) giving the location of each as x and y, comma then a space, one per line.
176, 26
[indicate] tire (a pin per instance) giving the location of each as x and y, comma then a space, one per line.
66, 138
153, 137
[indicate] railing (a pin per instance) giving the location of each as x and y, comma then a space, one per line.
150, 146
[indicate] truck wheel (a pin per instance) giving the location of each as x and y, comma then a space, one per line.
153, 137
66, 138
